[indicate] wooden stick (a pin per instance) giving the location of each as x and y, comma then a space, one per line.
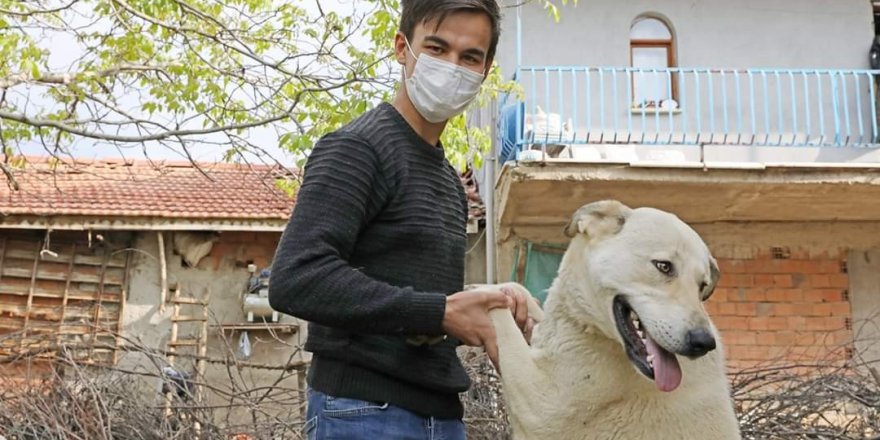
123, 299
163, 272
64, 298
30, 300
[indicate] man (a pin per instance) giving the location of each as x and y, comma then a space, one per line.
373, 255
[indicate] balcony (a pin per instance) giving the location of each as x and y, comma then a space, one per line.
597, 114
716, 146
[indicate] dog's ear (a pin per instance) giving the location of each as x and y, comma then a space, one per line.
714, 275
598, 219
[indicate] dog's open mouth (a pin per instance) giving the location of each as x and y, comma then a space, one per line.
650, 358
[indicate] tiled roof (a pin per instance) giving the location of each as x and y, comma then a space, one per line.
118, 188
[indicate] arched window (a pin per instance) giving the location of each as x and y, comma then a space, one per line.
652, 46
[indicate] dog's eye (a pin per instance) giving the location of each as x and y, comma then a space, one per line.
665, 267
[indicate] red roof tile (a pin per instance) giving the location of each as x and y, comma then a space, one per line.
120, 188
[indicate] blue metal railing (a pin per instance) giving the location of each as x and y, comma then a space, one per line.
690, 106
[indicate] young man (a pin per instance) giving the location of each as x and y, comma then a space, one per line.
373, 255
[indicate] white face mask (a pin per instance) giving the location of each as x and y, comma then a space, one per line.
439, 89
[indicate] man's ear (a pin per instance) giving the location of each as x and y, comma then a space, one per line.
400, 49
598, 219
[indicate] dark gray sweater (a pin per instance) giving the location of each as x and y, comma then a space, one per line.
375, 243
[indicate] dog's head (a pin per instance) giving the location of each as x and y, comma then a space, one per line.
646, 274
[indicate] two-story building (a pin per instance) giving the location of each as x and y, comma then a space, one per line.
754, 121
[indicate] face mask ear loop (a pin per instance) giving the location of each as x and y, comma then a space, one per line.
406, 40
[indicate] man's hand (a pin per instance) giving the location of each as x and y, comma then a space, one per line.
520, 309
467, 318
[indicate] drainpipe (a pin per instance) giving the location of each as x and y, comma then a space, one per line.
489, 201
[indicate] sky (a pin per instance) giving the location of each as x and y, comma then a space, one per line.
63, 51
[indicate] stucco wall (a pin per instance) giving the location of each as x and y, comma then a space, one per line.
708, 33
802, 108
223, 273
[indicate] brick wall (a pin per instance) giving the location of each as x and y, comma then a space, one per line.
783, 305
238, 249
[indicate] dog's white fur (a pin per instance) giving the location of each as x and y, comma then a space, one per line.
575, 380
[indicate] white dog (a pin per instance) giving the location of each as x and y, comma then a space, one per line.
626, 350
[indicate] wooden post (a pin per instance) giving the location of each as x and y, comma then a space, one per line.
64, 299
163, 272
30, 299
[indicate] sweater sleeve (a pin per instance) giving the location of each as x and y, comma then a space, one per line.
311, 277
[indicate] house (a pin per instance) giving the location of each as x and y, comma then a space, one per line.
146, 267
142, 266
755, 122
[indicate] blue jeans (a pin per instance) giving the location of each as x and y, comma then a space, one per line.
338, 418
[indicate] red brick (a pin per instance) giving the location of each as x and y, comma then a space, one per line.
726, 280
840, 280
805, 339
825, 323
720, 294
791, 266
793, 295
737, 323
783, 309
767, 323
755, 295
786, 338
829, 266
796, 322
764, 280
744, 280
738, 352
801, 309
731, 266
764, 337
711, 308
766, 309
746, 309
727, 309
821, 310
820, 280
832, 295
814, 296
776, 295
841, 309
740, 338
782, 281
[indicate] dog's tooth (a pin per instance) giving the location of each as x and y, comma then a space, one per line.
651, 359
641, 334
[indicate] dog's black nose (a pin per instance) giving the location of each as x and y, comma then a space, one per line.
700, 341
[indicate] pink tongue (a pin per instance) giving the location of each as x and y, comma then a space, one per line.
667, 372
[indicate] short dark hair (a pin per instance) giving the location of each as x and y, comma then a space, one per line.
416, 12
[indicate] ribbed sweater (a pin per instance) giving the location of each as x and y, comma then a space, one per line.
375, 243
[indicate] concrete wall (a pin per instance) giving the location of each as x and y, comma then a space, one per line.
223, 274
864, 272
807, 34
708, 33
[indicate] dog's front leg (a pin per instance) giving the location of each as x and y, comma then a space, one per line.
527, 389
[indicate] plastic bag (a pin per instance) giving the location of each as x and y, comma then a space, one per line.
244, 346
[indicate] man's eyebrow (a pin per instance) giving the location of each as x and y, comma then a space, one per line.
437, 40
441, 42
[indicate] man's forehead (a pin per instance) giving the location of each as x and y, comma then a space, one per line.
455, 25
